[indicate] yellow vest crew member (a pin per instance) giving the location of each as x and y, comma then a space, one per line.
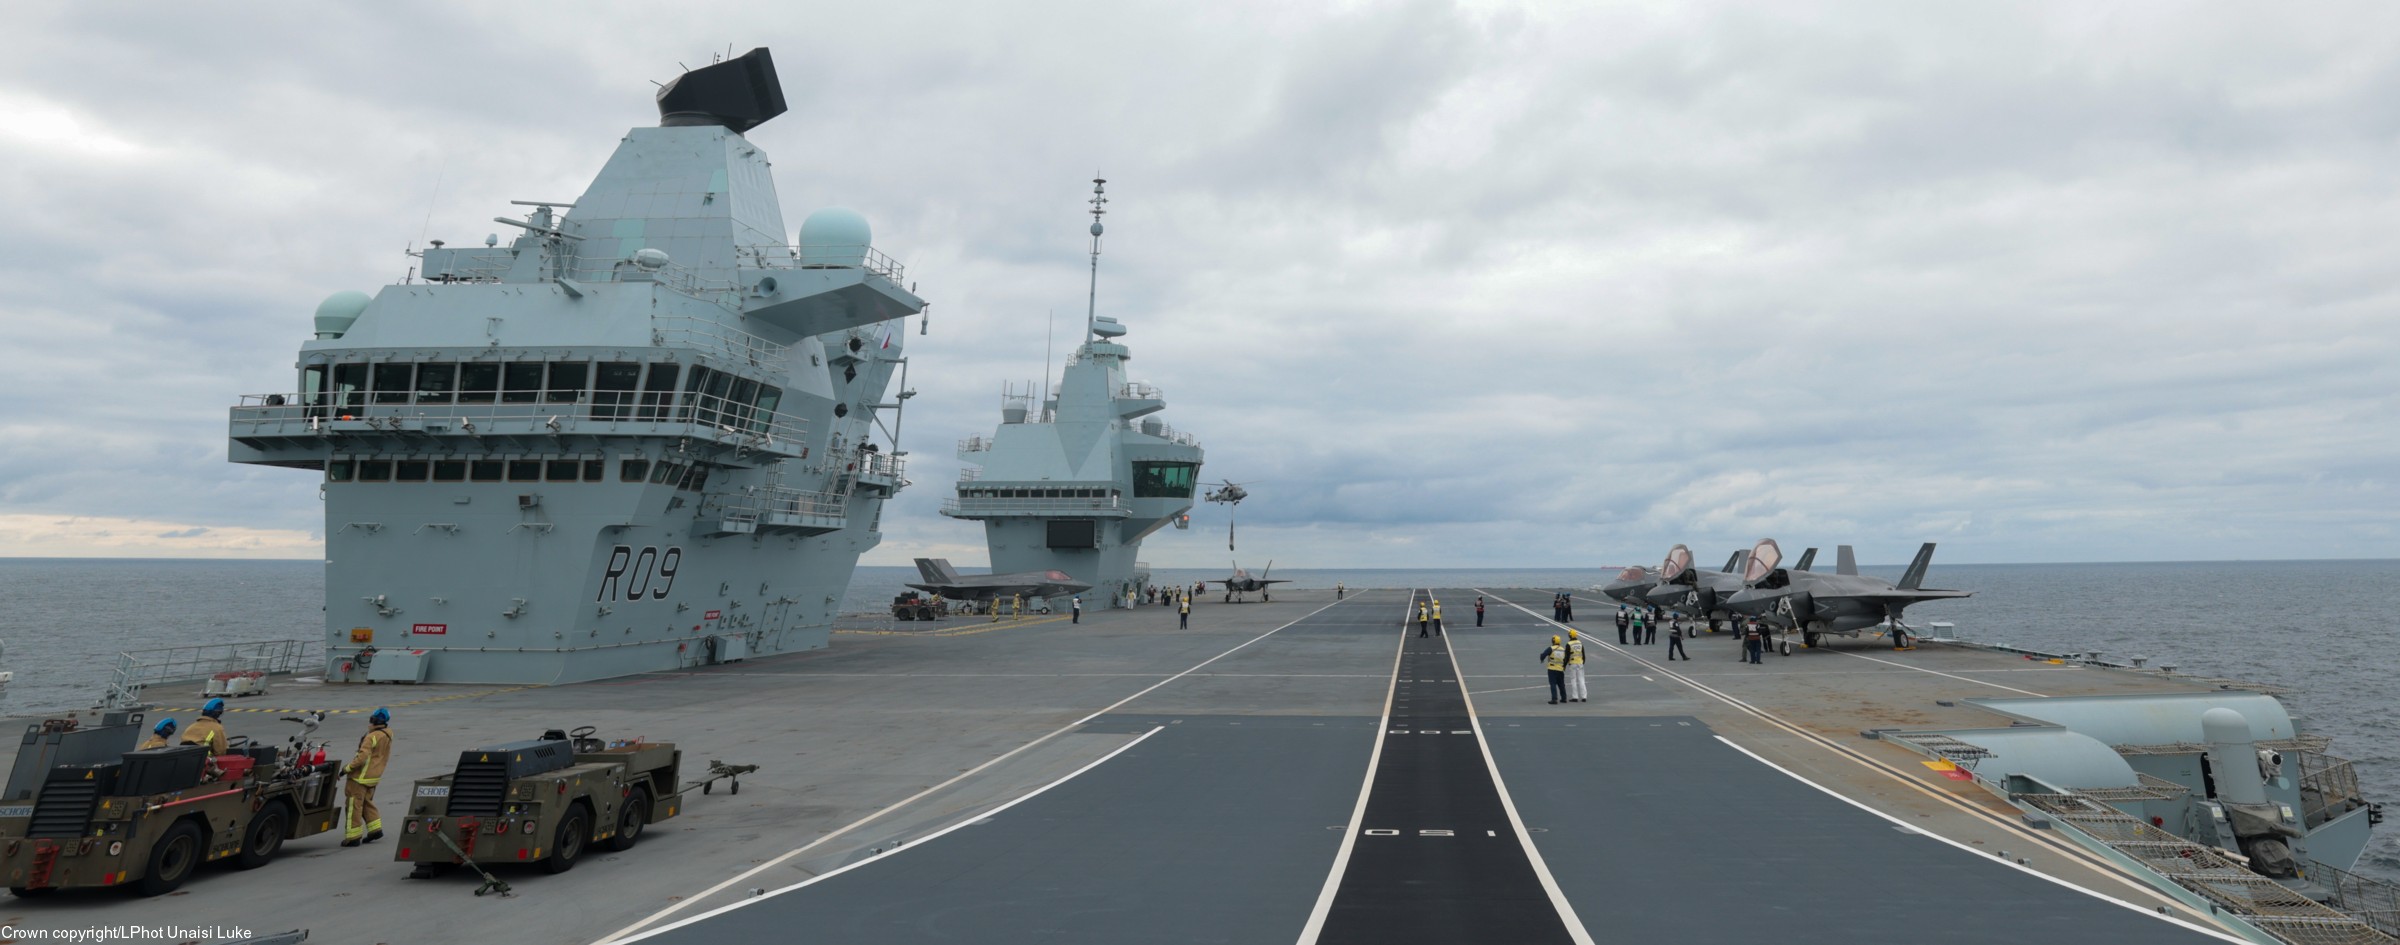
1576, 691
207, 731
1554, 659
365, 770
1437, 618
159, 735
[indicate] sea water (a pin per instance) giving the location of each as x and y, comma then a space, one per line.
2315, 628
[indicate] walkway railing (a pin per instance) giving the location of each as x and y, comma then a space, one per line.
139, 668
719, 419
816, 256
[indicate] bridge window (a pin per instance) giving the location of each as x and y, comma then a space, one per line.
478, 383
693, 387
484, 470
665, 473
659, 394
738, 406
374, 470
521, 382
769, 398
713, 407
567, 379
564, 470
339, 470
613, 386
409, 470
1164, 480
524, 470
449, 470
312, 389
633, 470
595, 470
349, 389
393, 382
436, 382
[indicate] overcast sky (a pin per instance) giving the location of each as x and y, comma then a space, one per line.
1459, 285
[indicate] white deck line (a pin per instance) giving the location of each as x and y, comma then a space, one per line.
920, 795
1979, 682
1541, 868
2074, 854
896, 848
1315, 927
1981, 855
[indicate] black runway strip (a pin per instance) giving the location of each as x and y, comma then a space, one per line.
1437, 859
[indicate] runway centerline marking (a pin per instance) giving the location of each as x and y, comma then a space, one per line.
1315, 926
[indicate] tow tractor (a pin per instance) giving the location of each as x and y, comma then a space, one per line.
149, 819
543, 802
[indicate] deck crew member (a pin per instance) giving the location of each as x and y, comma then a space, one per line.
1650, 636
1076, 610
159, 734
1339, 589
1437, 618
361, 822
1638, 620
1576, 691
1624, 620
1566, 605
1675, 642
1554, 659
1183, 613
1423, 615
1479, 611
1751, 640
206, 730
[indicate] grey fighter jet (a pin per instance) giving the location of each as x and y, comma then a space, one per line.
941, 578
1242, 583
1702, 594
1843, 602
1630, 585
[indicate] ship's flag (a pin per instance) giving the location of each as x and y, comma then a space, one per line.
886, 343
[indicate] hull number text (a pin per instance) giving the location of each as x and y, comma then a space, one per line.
638, 574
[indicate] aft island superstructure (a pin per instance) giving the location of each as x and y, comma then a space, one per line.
1075, 482
634, 436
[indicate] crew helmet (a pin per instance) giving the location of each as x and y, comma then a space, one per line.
213, 708
165, 726
1572, 635
381, 716
1554, 638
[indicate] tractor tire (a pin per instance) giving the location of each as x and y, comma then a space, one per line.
265, 836
174, 859
630, 822
566, 846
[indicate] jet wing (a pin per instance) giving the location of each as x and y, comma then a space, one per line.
1909, 597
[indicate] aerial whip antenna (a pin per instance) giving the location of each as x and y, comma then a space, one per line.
1099, 202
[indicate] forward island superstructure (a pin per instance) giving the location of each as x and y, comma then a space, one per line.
1075, 482
635, 436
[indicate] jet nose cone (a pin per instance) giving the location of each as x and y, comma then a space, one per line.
1627, 591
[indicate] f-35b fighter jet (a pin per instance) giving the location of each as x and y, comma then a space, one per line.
1843, 602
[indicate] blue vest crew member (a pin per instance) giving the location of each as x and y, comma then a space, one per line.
365, 771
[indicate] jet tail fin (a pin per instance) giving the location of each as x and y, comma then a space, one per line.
1845, 561
1807, 558
1734, 562
1914, 577
937, 571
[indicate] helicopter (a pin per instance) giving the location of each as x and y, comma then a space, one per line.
1229, 493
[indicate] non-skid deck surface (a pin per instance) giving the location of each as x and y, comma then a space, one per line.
1226, 827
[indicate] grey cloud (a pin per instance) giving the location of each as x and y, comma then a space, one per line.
1517, 285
